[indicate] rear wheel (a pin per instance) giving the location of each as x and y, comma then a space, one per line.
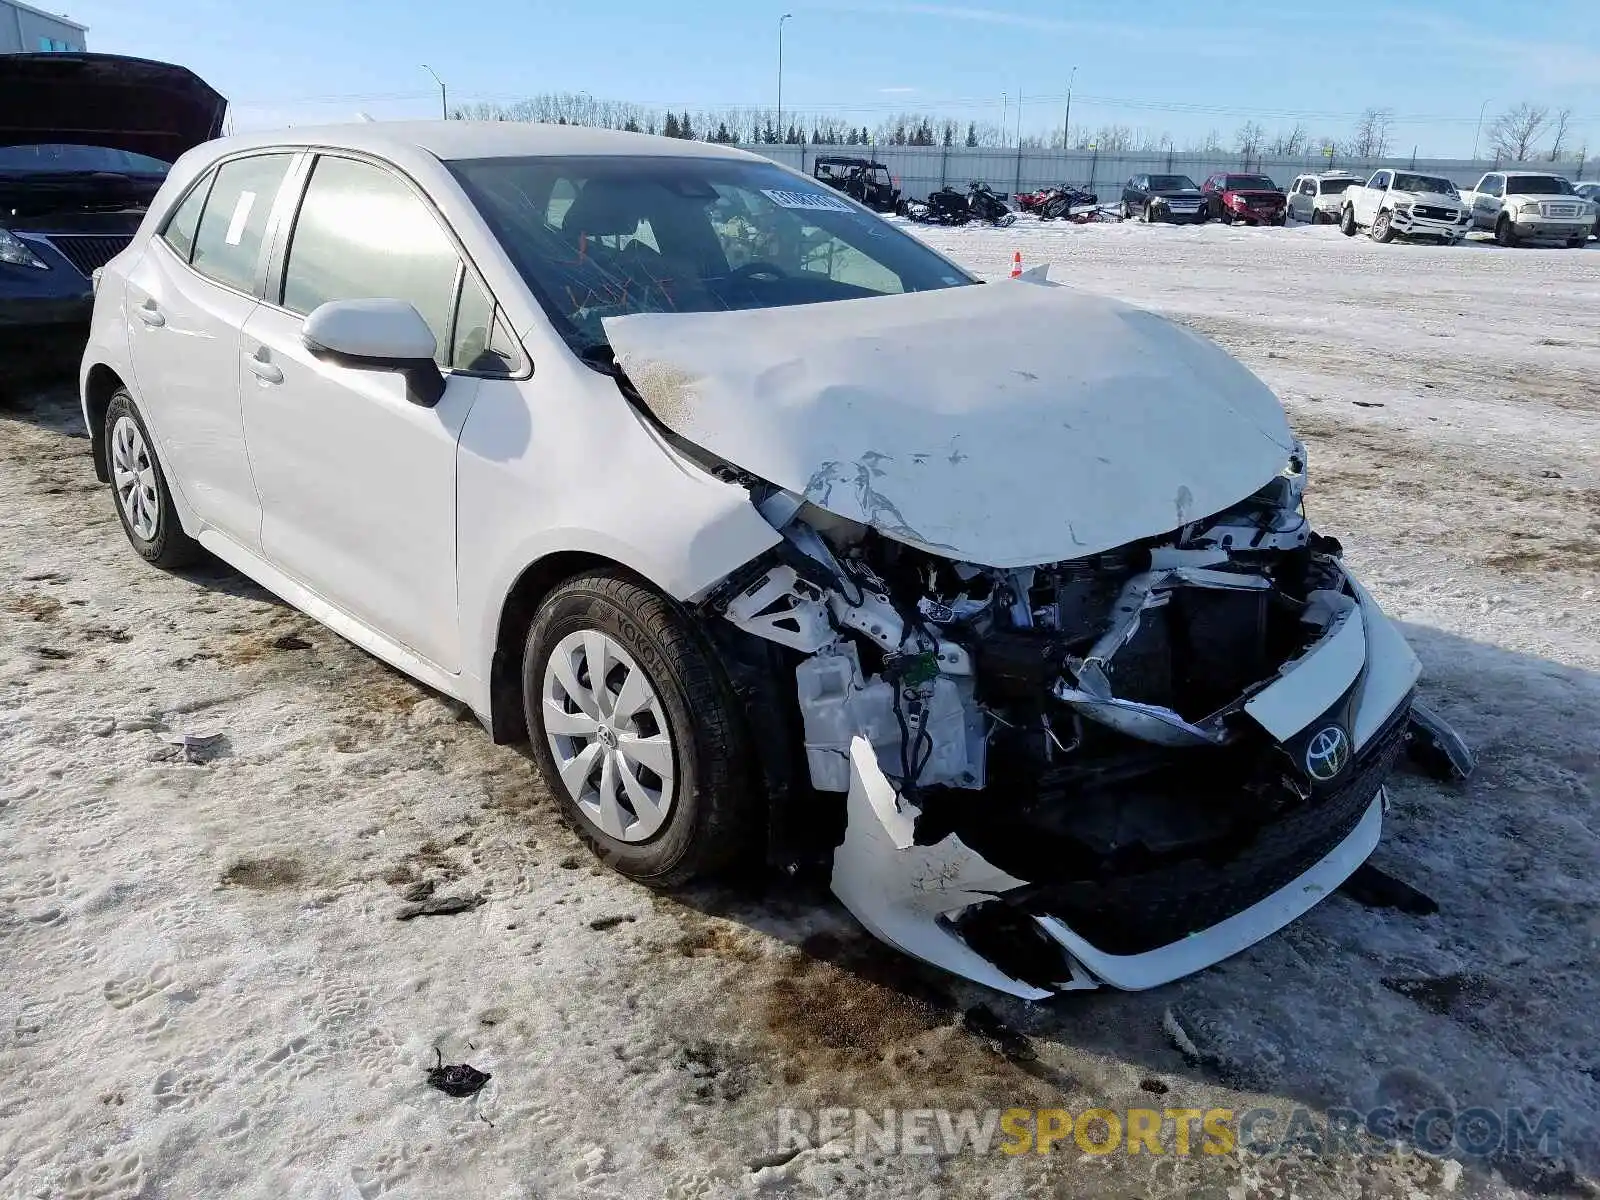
1504, 234
144, 501
1347, 222
637, 731
1126, 214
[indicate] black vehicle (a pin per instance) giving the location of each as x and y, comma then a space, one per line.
861, 179
943, 207
85, 142
1164, 198
986, 204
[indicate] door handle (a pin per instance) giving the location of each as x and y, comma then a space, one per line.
264, 370
150, 314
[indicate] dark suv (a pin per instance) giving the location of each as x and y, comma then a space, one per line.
85, 142
1163, 198
1252, 199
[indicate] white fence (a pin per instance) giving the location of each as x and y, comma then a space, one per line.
923, 169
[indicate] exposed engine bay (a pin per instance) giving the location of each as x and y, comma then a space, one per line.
1084, 729
954, 671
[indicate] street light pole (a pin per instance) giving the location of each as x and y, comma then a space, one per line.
1066, 122
782, 136
444, 100
1005, 109
1484, 108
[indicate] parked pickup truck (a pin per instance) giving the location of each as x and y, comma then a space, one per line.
1404, 204
1531, 206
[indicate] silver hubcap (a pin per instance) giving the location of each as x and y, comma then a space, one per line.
134, 476
608, 735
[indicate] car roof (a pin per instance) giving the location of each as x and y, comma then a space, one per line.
449, 140
1531, 175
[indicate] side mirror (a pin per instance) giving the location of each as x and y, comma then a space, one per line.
381, 335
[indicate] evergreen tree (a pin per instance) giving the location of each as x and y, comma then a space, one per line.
671, 128
972, 133
685, 130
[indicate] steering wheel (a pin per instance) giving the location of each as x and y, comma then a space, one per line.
757, 269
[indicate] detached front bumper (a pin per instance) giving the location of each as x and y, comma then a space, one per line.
1412, 224
945, 904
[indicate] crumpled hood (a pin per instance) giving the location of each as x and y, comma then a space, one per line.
1005, 424
133, 104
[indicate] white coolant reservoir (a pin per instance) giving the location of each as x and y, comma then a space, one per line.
838, 705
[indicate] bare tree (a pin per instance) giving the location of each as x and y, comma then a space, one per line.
1371, 138
1516, 131
1288, 145
1250, 138
1559, 133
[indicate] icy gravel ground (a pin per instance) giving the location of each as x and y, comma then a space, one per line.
204, 991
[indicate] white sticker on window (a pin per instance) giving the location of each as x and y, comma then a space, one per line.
241, 214
815, 201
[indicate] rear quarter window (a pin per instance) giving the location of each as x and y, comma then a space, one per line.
227, 244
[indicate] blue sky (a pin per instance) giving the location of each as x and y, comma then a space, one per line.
1170, 66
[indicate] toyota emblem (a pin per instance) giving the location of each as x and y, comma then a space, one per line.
1327, 753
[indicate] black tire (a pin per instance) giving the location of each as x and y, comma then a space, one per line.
1347, 221
1382, 228
715, 817
1149, 214
168, 547
1504, 234
1578, 243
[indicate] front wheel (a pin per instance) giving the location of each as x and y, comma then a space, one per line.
1347, 222
1127, 213
144, 499
1149, 214
637, 731
1504, 234
1578, 243
1382, 229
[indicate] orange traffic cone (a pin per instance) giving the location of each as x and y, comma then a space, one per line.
1016, 265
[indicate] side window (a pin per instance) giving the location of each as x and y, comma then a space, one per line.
1381, 180
227, 243
185, 219
1495, 185
363, 234
480, 342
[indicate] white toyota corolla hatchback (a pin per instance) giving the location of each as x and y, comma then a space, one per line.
780, 536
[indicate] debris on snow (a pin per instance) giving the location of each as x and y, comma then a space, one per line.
456, 1079
439, 906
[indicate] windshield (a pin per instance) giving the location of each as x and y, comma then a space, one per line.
1537, 185
1250, 183
1332, 187
1404, 182
604, 237
1171, 183
59, 158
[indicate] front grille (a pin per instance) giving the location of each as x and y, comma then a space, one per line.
89, 252
1560, 210
1134, 913
1433, 214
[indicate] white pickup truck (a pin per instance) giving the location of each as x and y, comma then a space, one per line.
1404, 204
1530, 206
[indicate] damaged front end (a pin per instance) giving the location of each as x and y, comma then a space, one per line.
1116, 769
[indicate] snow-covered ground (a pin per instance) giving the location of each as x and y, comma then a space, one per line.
204, 991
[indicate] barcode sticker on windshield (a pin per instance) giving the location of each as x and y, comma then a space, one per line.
811, 200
